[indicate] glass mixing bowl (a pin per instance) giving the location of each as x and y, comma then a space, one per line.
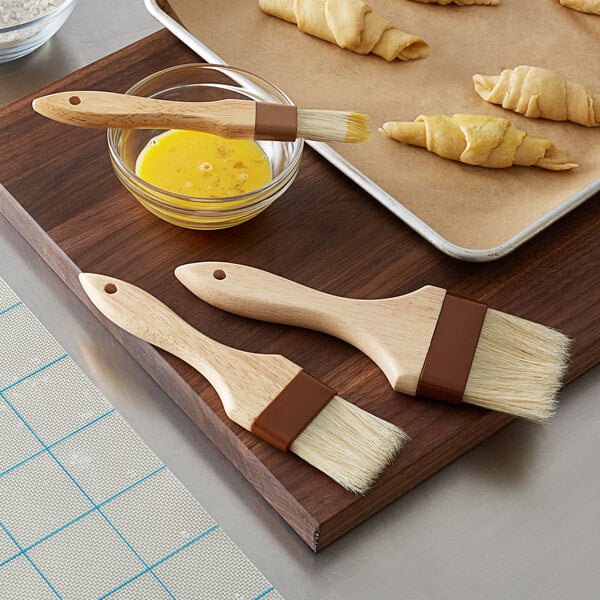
201, 83
18, 40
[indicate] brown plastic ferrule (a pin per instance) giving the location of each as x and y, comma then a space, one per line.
292, 411
275, 122
450, 356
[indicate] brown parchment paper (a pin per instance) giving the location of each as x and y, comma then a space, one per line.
472, 207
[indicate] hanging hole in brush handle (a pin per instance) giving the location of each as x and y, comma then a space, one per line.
258, 294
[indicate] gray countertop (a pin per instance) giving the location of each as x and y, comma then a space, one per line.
516, 518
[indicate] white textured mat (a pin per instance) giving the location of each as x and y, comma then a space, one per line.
87, 510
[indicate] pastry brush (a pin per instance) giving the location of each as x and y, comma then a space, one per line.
231, 118
266, 394
428, 343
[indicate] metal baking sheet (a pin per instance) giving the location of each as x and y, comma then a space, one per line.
161, 10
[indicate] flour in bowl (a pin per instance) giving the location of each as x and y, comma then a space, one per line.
20, 30
16, 12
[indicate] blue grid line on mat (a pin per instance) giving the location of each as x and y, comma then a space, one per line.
29, 375
265, 593
29, 559
162, 560
62, 439
9, 308
75, 482
95, 506
82, 515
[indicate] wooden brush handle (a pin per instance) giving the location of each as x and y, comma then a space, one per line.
227, 118
245, 382
394, 332
260, 295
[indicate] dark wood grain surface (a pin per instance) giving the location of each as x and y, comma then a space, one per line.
324, 232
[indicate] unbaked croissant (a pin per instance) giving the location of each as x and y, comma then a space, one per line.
349, 24
536, 92
461, 2
586, 6
479, 140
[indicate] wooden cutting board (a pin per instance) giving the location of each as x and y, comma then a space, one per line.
326, 233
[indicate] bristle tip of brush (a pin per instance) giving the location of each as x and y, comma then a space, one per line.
350, 445
518, 367
333, 126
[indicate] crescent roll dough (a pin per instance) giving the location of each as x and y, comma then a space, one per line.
479, 140
461, 2
536, 92
350, 24
586, 6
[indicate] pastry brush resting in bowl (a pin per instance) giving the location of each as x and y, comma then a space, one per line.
204, 99
195, 83
235, 119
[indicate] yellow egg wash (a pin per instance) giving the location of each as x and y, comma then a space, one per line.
203, 165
